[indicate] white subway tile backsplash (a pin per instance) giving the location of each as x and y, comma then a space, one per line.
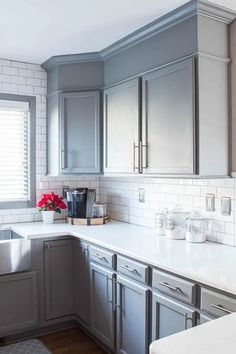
167, 193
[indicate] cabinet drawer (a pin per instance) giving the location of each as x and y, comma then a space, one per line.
132, 269
217, 304
175, 287
105, 258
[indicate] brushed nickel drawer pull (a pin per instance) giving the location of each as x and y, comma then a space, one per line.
169, 286
102, 258
220, 307
129, 269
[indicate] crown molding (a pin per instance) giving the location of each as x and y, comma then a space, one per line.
170, 19
71, 59
220, 13
190, 9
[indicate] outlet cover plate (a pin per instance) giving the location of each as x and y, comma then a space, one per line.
141, 195
210, 202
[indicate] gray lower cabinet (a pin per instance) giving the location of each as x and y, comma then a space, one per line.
204, 319
132, 317
59, 278
121, 127
18, 303
170, 317
169, 119
82, 282
102, 300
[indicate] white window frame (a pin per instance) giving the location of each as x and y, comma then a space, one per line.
31, 100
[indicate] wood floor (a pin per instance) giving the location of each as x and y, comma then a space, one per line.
72, 341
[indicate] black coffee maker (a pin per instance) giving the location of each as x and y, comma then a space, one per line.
80, 202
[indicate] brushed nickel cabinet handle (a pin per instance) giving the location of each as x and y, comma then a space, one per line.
186, 319
129, 269
222, 308
166, 285
134, 157
98, 256
62, 159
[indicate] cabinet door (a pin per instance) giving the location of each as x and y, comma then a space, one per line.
132, 321
102, 296
59, 278
170, 317
169, 119
121, 127
18, 303
204, 319
82, 281
80, 132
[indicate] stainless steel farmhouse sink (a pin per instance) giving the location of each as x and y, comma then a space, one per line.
15, 252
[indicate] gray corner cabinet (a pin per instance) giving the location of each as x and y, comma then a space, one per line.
168, 131
80, 132
59, 278
74, 132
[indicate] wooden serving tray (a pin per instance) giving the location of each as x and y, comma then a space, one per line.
88, 221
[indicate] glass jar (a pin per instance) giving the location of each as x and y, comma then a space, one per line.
175, 224
160, 223
99, 210
196, 229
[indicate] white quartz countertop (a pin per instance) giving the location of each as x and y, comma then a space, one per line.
208, 263
215, 337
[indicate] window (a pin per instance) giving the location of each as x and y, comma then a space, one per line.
17, 149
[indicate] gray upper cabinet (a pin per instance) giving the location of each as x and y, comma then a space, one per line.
18, 303
59, 278
132, 317
82, 282
169, 119
102, 300
80, 132
170, 317
121, 127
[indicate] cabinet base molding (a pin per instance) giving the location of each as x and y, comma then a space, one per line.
40, 331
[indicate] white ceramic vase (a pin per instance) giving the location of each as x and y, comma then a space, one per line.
48, 216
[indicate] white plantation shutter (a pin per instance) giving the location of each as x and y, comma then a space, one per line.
14, 151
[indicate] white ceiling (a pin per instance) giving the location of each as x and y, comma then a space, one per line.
34, 30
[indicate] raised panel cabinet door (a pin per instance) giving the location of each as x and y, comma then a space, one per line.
168, 124
59, 278
170, 317
102, 301
82, 282
18, 303
121, 127
132, 317
80, 132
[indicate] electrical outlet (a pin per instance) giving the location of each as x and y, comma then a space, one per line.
141, 195
210, 202
65, 189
